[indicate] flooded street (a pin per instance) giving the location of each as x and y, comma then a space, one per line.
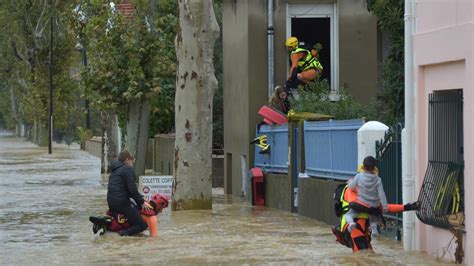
45, 202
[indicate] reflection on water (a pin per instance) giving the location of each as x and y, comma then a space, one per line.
45, 202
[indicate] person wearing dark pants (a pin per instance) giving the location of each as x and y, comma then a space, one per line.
121, 188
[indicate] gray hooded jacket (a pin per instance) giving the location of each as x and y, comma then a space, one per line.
370, 190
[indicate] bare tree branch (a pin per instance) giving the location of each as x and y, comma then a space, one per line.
44, 27
45, 4
16, 53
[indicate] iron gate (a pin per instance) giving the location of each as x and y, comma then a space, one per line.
389, 157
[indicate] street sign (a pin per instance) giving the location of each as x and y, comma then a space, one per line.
162, 184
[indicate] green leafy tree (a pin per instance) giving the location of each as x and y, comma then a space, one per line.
162, 113
5, 108
162, 116
8, 112
130, 58
390, 20
26, 49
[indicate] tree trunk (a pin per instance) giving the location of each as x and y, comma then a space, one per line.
28, 132
195, 87
14, 110
43, 136
35, 132
110, 140
137, 133
18, 129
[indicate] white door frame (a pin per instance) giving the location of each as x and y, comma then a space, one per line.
320, 11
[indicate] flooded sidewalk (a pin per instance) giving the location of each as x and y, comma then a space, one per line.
45, 202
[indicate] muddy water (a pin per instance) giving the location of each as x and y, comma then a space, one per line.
45, 201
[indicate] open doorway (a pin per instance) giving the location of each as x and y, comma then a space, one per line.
318, 23
311, 31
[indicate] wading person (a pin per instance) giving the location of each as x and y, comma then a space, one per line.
120, 189
370, 195
118, 222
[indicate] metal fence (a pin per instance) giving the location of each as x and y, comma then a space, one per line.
442, 191
164, 154
276, 160
389, 156
331, 148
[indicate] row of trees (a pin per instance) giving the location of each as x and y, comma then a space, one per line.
130, 60
24, 67
122, 63
72, 37
390, 103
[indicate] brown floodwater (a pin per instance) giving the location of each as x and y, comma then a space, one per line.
45, 202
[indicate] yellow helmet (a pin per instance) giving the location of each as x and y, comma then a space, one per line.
291, 42
360, 168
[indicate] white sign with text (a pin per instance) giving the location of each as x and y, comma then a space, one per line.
162, 184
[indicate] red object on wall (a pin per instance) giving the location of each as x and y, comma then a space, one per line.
126, 8
258, 193
272, 116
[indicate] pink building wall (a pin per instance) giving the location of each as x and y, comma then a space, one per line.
444, 59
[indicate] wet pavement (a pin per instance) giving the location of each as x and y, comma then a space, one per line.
45, 202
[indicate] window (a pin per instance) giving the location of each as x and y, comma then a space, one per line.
313, 24
442, 191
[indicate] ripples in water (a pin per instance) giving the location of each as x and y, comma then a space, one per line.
60, 182
44, 220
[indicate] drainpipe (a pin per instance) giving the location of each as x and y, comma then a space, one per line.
408, 191
270, 48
